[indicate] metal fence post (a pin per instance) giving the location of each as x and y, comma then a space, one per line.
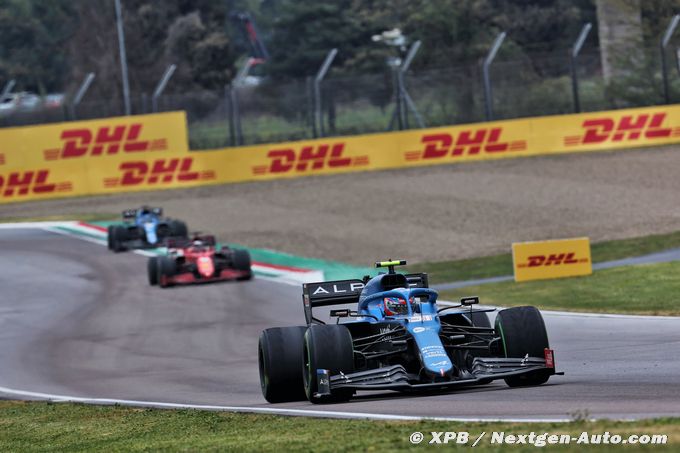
169, 71
8, 88
406, 98
318, 118
235, 117
123, 58
575, 50
87, 81
664, 67
488, 94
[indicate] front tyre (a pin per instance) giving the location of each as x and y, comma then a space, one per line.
327, 347
167, 268
178, 229
241, 262
279, 355
152, 270
523, 332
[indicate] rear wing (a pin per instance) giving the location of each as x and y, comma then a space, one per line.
340, 292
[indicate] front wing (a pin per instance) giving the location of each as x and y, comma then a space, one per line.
395, 377
188, 278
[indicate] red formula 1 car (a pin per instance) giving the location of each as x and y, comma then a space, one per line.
197, 260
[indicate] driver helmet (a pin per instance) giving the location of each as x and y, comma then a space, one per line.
197, 243
395, 306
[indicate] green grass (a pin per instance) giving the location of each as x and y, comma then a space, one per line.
64, 217
651, 289
45, 427
497, 265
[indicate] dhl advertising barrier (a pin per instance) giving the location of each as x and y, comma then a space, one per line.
551, 259
150, 152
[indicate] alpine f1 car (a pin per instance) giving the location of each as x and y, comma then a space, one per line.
144, 228
198, 261
399, 339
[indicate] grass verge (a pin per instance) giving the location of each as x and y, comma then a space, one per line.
498, 265
45, 427
57, 218
650, 289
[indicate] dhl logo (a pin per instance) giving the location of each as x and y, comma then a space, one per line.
105, 140
628, 128
552, 260
468, 142
160, 171
309, 158
22, 183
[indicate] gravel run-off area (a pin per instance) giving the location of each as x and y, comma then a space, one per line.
423, 214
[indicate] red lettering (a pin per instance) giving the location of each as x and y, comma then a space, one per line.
554, 259
20, 182
113, 139
317, 158
166, 172
77, 142
283, 160
492, 145
473, 143
436, 145
131, 144
133, 173
185, 173
655, 130
570, 259
537, 260
41, 185
336, 159
634, 129
598, 130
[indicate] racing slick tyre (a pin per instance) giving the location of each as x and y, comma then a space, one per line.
241, 262
152, 270
167, 268
279, 355
327, 347
109, 237
178, 229
119, 238
522, 332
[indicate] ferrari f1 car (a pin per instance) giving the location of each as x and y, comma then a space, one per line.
399, 339
198, 261
144, 228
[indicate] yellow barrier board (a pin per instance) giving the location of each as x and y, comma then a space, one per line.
150, 152
551, 259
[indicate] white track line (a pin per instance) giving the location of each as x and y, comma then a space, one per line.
266, 410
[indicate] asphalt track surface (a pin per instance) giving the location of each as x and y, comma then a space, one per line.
78, 320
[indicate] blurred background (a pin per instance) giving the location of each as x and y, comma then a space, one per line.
256, 71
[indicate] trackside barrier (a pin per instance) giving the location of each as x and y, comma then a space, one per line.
551, 259
150, 152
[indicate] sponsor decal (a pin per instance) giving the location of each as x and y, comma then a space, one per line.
419, 330
105, 140
553, 259
466, 143
159, 171
24, 183
309, 158
337, 288
416, 318
629, 128
429, 352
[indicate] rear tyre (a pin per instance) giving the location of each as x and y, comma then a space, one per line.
241, 262
522, 332
178, 229
167, 268
280, 360
327, 347
119, 237
109, 237
152, 270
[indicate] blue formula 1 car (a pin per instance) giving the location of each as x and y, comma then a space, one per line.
399, 339
144, 228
